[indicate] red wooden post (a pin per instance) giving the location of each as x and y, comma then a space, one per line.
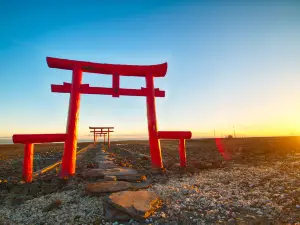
28, 163
108, 141
154, 143
116, 85
104, 138
69, 157
182, 152
95, 138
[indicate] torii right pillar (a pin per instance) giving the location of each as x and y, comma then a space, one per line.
154, 142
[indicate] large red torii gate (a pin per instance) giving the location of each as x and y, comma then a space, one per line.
75, 88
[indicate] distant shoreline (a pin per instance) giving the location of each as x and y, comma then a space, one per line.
8, 141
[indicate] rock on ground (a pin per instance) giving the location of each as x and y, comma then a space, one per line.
101, 187
138, 204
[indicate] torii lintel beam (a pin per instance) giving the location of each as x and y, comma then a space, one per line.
100, 132
158, 70
86, 89
101, 127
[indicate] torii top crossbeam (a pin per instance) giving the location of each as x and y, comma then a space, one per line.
101, 127
158, 70
104, 129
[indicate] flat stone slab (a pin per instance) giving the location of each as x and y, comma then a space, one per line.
105, 157
93, 173
119, 171
138, 204
132, 177
104, 162
141, 185
92, 165
113, 214
101, 156
107, 166
99, 188
109, 178
114, 171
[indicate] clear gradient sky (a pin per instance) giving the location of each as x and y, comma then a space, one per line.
230, 64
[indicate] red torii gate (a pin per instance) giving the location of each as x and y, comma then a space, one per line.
100, 135
29, 140
76, 88
102, 129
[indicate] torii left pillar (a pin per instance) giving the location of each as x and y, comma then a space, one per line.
69, 157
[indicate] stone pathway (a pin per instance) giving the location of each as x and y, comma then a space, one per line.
124, 200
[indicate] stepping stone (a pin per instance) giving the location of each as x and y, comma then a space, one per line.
105, 157
92, 165
101, 158
132, 177
102, 154
113, 214
93, 173
138, 204
107, 166
108, 170
141, 185
110, 178
99, 188
119, 171
104, 162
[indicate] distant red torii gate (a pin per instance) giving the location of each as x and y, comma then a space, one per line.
76, 88
101, 130
100, 135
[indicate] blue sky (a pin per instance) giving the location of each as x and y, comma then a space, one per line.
230, 64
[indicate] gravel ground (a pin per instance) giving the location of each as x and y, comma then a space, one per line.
260, 185
74, 209
24, 204
242, 194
